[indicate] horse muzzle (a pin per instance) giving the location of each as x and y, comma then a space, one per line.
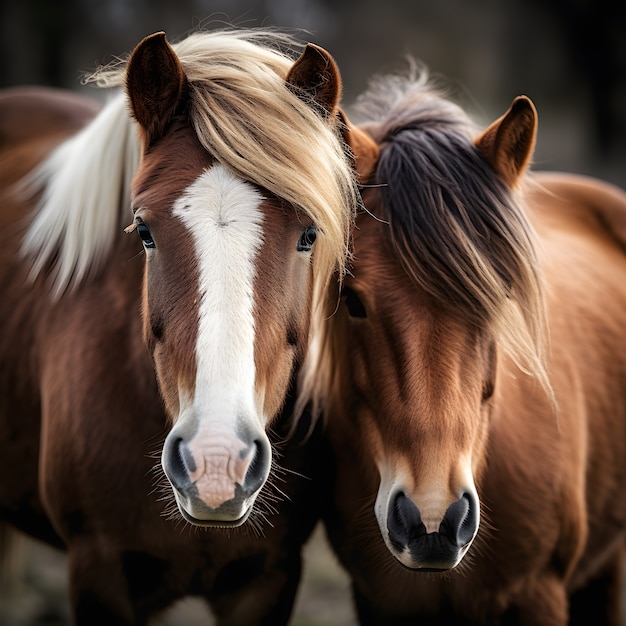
216, 477
408, 540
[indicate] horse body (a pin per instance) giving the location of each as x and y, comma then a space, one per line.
453, 454
23, 145
104, 354
586, 363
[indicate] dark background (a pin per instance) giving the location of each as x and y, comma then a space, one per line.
569, 56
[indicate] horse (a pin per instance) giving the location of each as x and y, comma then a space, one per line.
227, 161
472, 375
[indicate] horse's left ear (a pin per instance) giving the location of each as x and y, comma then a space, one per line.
508, 143
365, 150
155, 83
315, 77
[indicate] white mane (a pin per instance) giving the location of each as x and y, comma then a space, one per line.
85, 196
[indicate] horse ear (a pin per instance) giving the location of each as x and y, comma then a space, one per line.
155, 83
508, 143
315, 76
364, 149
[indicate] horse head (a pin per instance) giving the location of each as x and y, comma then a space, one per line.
234, 250
440, 254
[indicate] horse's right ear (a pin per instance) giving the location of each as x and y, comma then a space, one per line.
155, 83
508, 143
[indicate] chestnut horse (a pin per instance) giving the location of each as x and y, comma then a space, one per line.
242, 195
475, 377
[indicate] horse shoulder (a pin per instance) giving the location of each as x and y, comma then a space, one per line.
582, 226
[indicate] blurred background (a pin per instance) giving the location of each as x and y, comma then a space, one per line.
569, 56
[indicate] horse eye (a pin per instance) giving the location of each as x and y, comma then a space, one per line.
488, 389
307, 239
354, 305
145, 236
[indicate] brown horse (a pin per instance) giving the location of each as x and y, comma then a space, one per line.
242, 196
475, 377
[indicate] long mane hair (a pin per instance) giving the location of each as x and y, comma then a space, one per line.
245, 116
457, 230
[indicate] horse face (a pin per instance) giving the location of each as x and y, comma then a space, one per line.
226, 315
229, 278
421, 383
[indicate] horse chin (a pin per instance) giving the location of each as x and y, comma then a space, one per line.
209, 523
215, 518
431, 563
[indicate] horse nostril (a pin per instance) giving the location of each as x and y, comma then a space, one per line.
258, 468
178, 462
460, 521
404, 522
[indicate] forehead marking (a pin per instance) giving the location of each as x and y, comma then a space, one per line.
222, 213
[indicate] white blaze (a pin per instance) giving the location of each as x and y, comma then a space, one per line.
222, 213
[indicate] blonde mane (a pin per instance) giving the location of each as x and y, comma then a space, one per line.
244, 114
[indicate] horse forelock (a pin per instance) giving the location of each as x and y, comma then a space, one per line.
245, 114
451, 222
458, 232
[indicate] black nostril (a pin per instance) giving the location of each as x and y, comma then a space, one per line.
257, 470
178, 462
404, 522
460, 521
